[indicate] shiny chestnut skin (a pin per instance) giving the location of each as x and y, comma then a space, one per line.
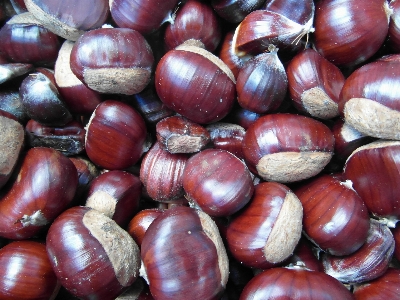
373, 172
143, 16
195, 84
10, 71
103, 260
138, 225
287, 147
11, 102
384, 287
116, 194
69, 19
25, 40
394, 26
45, 186
184, 257
304, 255
218, 182
112, 60
396, 236
352, 40
294, 283
26, 272
228, 56
335, 216
267, 231
314, 84
115, 135
194, 20
298, 11
235, 11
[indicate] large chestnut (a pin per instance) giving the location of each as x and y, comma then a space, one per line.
383, 288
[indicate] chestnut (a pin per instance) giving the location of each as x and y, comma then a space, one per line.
235, 11
112, 60
26, 272
287, 147
218, 182
183, 256
381, 288
12, 70
44, 188
267, 231
115, 135
228, 56
139, 224
91, 255
11, 102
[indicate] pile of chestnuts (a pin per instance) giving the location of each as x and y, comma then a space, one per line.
199, 149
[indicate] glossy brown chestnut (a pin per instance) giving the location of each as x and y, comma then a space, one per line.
143, 16
162, 173
13, 70
196, 84
69, 19
26, 272
115, 135
218, 182
350, 40
228, 56
304, 256
68, 139
41, 99
396, 236
11, 102
394, 26
44, 188
262, 82
373, 172
11, 144
242, 117
287, 147
25, 40
112, 60
91, 255
314, 84
298, 11
235, 11
384, 287
194, 20
116, 194
137, 227
294, 283
78, 97
267, 231
367, 263
180, 135
184, 257
335, 217
369, 98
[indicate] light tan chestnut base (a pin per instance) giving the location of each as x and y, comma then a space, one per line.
286, 233
62, 70
372, 118
318, 104
292, 166
184, 144
102, 202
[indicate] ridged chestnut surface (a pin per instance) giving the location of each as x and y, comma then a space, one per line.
196, 84
369, 100
116, 194
383, 288
91, 255
287, 147
112, 60
335, 217
314, 84
373, 170
287, 283
349, 32
143, 16
26, 272
268, 229
367, 263
184, 257
218, 182
44, 188
115, 135
69, 19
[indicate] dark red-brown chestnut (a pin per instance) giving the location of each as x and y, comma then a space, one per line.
298, 11
267, 231
234, 11
396, 236
91, 255
10, 71
228, 56
115, 135
287, 147
184, 257
394, 26
294, 283
10, 102
196, 84
26, 272
218, 182
44, 188
335, 217
69, 19
112, 60
382, 288
304, 256
138, 225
